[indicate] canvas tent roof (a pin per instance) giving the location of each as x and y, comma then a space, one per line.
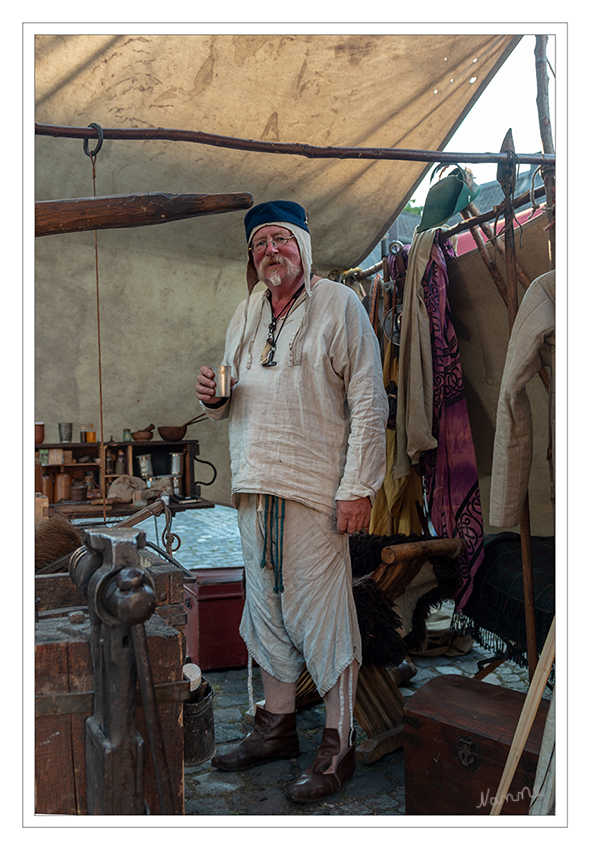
167, 292
353, 90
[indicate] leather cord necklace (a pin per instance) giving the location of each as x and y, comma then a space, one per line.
268, 352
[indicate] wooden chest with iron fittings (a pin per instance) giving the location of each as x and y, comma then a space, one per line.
458, 733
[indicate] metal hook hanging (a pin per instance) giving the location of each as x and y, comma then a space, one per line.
168, 538
98, 129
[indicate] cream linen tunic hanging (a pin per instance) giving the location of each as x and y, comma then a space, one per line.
313, 432
532, 345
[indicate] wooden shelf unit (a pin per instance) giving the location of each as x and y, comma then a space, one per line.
159, 451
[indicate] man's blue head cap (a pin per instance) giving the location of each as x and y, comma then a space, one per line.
287, 211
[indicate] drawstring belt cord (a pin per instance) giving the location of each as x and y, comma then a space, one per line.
274, 523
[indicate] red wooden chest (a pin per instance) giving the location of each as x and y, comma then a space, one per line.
214, 605
458, 733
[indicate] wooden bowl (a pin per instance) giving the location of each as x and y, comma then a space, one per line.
172, 433
139, 436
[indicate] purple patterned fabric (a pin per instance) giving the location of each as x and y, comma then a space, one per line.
450, 471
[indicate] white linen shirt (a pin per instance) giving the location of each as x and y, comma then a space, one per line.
309, 429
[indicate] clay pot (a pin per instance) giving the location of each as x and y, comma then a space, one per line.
63, 484
78, 492
38, 476
47, 486
39, 433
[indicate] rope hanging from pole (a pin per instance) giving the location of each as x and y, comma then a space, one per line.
93, 154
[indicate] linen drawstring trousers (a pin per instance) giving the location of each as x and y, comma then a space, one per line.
313, 621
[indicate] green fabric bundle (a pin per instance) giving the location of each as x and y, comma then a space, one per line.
447, 197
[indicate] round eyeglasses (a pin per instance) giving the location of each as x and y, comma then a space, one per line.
260, 245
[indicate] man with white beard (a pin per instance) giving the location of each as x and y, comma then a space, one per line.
307, 417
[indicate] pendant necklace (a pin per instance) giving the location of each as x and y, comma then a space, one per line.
268, 352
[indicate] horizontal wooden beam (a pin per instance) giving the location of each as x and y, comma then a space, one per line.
111, 211
293, 148
438, 547
482, 218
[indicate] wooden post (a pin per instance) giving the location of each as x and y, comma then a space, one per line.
387, 293
548, 173
497, 243
111, 211
489, 263
480, 219
527, 718
506, 178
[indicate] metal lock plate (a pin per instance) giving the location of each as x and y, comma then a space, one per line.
468, 753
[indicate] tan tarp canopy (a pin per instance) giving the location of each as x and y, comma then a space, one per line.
168, 291
353, 91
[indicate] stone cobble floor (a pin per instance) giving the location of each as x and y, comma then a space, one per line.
210, 539
376, 789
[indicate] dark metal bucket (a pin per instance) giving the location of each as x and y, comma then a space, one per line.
199, 728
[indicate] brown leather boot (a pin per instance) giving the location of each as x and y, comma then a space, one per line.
274, 737
314, 784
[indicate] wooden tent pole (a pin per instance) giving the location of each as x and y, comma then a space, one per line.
509, 245
526, 720
497, 243
488, 262
293, 148
543, 110
507, 178
365, 273
481, 218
